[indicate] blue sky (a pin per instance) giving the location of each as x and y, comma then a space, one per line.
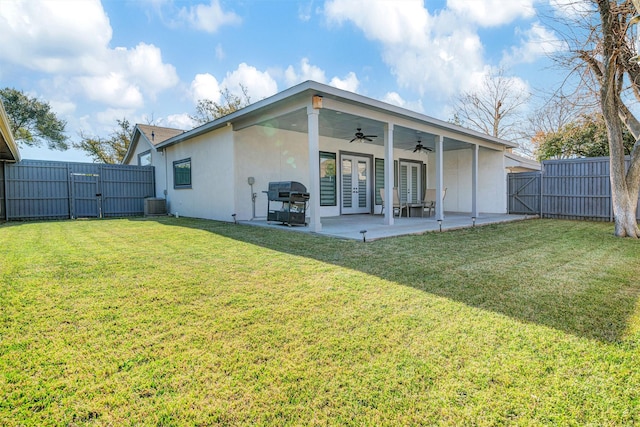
151, 60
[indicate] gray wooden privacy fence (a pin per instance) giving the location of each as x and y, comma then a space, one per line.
567, 189
33, 189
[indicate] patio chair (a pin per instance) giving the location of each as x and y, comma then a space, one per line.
429, 199
397, 206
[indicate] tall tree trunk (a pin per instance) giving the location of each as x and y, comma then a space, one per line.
622, 185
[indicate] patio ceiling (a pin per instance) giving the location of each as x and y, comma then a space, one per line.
341, 125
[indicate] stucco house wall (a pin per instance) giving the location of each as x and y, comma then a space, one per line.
269, 141
267, 154
212, 192
457, 170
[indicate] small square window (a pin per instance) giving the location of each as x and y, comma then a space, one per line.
182, 173
144, 159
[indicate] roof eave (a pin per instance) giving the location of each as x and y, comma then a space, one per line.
131, 149
316, 88
7, 136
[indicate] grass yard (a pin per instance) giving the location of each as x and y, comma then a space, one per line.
175, 322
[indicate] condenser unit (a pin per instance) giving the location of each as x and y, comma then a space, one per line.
155, 206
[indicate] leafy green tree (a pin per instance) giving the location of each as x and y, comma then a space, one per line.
585, 137
32, 121
208, 110
107, 150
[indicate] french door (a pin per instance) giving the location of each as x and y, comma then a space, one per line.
410, 191
356, 184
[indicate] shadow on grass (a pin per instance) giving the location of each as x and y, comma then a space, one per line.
571, 276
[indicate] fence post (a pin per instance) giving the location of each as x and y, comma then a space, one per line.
5, 186
541, 189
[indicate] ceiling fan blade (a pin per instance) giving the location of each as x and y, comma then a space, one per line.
367, 138
353, 139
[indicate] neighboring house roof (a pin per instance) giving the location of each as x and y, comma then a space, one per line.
153, 135
156, 134
286, 110
516, 163
8, 148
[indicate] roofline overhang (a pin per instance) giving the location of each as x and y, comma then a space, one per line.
131, 149
7, 136
311, 88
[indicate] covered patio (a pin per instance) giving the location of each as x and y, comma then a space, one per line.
377, 152
351, 226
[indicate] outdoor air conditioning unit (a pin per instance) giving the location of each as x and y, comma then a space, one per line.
155, 206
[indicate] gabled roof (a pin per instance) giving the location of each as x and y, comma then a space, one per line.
287, 108
8, 148
156, 134
153, 135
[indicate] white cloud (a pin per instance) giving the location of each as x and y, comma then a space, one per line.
144, 65
259, 84
307, 72
52, 36
179, 121
394, 98
63, 107
428, 54
536, 42
436, 53
491, 13
387, 21
205, 86
208, 18
350, 82
71, 39
112, 89
108, 117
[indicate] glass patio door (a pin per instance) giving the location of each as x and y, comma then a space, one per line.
410, 191
356, 184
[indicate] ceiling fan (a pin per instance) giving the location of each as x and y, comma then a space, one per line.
359, 136
420, 147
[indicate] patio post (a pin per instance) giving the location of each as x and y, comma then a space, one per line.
474, 180
314, 168
439, 177
388, 173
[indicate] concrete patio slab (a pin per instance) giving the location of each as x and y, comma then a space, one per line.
351, 226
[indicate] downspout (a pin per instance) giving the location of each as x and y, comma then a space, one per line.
166, 179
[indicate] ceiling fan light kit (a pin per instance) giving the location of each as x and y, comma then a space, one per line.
420, 147
361, 137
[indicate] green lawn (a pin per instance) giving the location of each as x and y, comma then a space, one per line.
188, 322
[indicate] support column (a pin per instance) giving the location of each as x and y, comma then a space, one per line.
388, 174
314, 168
439, 177
475, 149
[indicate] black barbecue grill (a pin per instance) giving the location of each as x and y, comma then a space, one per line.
287, 202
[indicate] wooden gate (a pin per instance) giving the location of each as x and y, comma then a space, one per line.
524, 193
